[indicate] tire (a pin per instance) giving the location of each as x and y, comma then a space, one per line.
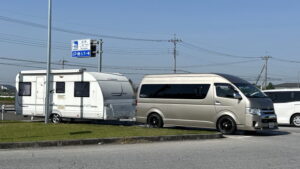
155, 121
55, 118
295, 120
226, 125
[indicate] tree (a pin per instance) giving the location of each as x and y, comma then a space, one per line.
270, 86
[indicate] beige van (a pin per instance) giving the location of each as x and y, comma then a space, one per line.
220, 101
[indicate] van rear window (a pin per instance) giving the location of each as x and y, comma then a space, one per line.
281, 97
174, 91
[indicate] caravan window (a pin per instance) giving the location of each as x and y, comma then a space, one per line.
60, 87
82, 89
24, 88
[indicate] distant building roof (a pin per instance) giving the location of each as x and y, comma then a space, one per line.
287, 85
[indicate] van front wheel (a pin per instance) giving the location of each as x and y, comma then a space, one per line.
155, 121
226, 125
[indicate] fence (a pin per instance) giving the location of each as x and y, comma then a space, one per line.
6, 108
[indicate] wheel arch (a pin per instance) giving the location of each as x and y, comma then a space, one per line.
225, 113
292, 116
157, 111
55, 112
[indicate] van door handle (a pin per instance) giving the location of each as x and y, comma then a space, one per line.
217, 103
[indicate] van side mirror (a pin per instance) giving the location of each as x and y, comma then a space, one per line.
236, 95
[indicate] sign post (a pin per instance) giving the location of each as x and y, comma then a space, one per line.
81, 48
86, 48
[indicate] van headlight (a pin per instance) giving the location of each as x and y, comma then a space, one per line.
253, 111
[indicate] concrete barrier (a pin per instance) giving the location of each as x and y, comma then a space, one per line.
101, 141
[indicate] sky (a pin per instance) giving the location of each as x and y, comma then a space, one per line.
221, 36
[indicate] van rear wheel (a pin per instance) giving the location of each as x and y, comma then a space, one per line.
296, 120
226, 125
155, 121
55, 118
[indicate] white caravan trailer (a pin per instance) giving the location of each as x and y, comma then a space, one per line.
76, 94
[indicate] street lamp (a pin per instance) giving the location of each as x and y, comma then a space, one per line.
47, 99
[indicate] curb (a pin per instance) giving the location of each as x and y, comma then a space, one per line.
118, 140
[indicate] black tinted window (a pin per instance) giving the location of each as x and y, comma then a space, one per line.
224, 90
174, 91
82, 89
60, 87
24, 88
281, 97
297, 96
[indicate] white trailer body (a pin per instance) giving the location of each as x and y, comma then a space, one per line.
76, 94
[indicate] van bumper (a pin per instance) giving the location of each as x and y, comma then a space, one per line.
263, 122
141, 119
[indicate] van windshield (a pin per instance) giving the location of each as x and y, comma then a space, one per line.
250, 91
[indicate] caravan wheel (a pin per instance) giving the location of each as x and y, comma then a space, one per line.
55, 118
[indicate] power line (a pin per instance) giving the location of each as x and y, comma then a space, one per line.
186, 44
220, 64
11, 64
21, 40
286, 60
32, 24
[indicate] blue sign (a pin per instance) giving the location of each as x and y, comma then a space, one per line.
81, 48
82, 53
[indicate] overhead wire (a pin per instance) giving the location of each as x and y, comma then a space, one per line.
189, 45
21, 40
219, 64
37, 25
285, 60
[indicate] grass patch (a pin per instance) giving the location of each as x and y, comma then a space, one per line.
11, 131
7, 100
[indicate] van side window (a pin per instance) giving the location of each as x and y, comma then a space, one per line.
174, 91
60, 87
224, 90
24, 88
82, 89
297, 96
281, 97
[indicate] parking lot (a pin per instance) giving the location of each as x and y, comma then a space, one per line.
276, 150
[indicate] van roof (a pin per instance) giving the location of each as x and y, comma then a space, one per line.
231, 78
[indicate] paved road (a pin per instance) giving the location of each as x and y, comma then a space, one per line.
276, 150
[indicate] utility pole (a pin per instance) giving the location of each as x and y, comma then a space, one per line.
266, 58
175, 41
47, 99
100, 55
298, 79
259, 76
63, 61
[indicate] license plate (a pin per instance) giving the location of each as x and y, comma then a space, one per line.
271, 125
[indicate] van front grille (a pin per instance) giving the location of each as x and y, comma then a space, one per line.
268, 111
268, 120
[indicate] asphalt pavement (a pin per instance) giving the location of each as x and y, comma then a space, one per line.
274, 150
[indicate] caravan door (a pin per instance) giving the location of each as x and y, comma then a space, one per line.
40, 96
